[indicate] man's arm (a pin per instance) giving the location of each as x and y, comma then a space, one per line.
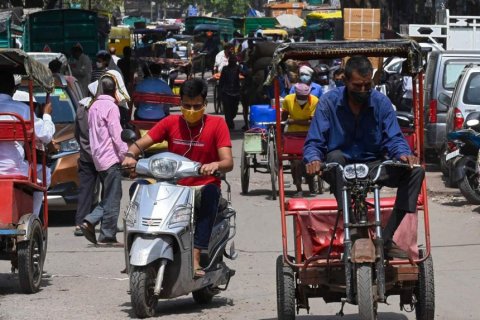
393, 140
115, 131
225, 164
45, 128
315, 147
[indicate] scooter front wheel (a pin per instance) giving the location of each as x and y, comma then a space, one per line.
142, 284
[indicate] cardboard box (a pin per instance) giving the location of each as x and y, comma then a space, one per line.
361, 24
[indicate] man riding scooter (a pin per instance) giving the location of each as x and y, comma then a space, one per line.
199, 137
355, 124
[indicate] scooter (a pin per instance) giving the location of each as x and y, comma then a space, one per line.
159, 231
464, 161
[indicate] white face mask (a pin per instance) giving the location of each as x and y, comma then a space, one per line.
301, 102
99, 65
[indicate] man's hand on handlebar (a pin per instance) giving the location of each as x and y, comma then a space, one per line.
314, 167
411, 160
130, 163
209, 169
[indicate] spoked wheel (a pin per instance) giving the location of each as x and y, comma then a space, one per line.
217, 101
367, 305
425, 289
30, 259
470, 187
273, 167
142, 284
285, 290
245, 171
204, 295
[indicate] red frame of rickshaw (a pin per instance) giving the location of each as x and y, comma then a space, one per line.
29, 139
418, 111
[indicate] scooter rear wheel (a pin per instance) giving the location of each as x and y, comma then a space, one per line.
142, 284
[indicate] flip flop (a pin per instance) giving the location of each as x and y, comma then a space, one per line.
199, 273
89, 232
110, 244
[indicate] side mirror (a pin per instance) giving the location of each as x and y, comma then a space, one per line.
444, 99
128, 136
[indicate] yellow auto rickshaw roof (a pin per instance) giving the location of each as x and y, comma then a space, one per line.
270, 32
119, 33
325, 14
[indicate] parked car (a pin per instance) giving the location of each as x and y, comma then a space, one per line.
443, 70
465, 99
63, 152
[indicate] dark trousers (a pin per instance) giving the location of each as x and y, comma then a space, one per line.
205, 215
87, 180
108, 209
230, 108
407, 181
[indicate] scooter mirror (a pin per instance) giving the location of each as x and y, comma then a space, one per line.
128, 136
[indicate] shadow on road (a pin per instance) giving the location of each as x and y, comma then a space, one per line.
61, 218
182, 306
381, 315
11, 284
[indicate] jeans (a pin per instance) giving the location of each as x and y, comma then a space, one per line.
407, 181
87, 179
108, 209
205, 215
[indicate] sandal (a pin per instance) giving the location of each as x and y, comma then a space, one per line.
89, 231
199, 273
78, 231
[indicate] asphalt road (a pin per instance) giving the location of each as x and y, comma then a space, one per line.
84, 282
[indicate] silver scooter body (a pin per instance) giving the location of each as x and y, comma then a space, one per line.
159, 229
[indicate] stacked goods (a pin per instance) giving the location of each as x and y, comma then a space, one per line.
362, 24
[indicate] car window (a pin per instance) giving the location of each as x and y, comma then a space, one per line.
472, 89
63, 108
451, 72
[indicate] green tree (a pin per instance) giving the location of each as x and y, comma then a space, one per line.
108, 5
228, 7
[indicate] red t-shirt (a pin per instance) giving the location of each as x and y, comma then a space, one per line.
200, 143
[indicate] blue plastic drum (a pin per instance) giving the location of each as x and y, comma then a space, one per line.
261, 113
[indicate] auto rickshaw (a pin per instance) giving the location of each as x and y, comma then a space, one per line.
275, 34
119, 38
23, 235
338, 255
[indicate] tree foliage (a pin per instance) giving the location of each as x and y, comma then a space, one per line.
228, 7
108, 5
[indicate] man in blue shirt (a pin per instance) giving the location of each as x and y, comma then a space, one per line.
152, 84
355, 124
305, 76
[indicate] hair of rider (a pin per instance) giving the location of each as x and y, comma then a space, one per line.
193, 88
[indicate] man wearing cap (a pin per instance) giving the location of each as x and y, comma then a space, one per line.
306, 74
81, 67
298, 110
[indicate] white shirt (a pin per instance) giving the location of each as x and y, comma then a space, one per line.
220, 61
407, 87
12, 153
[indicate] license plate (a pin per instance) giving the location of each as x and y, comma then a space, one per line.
452, 155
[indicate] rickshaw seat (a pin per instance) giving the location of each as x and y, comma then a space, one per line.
13, 130
13, 177
156, 98
302, 204
293, 142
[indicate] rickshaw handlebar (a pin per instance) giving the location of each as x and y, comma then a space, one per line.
386, 163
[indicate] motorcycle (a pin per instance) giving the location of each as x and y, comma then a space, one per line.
464, 161
159, 231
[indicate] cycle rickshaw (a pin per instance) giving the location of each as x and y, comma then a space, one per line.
23, 234
336, 255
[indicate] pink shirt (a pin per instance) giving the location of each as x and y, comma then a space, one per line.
104, 133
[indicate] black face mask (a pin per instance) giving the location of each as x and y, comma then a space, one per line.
339, 83
360, 97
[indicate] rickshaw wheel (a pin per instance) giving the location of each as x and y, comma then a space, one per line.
425, 289
285, 290
367, 306
245, 172
273, 167
30, 259
142, 284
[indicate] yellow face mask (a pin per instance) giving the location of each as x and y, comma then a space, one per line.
192, 116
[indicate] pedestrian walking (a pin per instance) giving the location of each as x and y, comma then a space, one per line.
108, 152
230, 90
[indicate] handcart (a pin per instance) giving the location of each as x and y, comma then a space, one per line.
23, 234
325, 260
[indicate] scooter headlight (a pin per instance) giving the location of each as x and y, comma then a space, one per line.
355, 171
180, 217
163, 168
